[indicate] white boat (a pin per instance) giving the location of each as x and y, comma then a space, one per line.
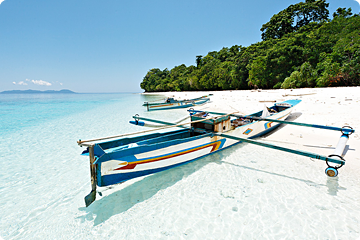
171, 103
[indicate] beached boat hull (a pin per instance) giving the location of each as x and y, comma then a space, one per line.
173, 105
123, 159
172, 100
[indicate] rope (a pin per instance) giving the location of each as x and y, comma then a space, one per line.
150, 130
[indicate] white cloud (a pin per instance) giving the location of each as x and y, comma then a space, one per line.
59, 83
36, 82
1, 1
355, 0
22, 83
41, 82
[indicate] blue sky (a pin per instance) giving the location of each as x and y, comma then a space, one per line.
108, 46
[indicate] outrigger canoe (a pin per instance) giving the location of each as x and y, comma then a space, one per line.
171, 103
116, 161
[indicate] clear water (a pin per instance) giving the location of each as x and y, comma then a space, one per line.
245, 192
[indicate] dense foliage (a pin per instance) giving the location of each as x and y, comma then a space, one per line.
301, 47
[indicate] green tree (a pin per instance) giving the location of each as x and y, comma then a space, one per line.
198, 60
258, 73
306, 77
342, 12
292, 81
294, 17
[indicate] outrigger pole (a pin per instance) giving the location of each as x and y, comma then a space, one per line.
140, 123
87, 144
344, 129
336, 157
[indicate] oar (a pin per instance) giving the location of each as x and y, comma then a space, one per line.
299, 152
346, 130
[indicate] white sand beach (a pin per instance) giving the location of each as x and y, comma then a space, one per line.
279, 195
337, 106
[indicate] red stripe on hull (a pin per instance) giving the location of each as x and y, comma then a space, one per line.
133, 165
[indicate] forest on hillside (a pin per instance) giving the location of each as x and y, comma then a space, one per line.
301, 47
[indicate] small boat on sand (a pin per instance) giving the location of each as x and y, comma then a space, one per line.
171, 103
124, 158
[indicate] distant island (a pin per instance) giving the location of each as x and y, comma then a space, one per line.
36, 91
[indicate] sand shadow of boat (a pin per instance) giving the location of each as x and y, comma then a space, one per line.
332, 184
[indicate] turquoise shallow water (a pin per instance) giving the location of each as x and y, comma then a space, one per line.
239, 193
42, 170
19, 111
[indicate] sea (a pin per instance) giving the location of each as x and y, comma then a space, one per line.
243, 192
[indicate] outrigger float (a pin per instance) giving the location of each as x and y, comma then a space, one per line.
171, 103
116, 161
